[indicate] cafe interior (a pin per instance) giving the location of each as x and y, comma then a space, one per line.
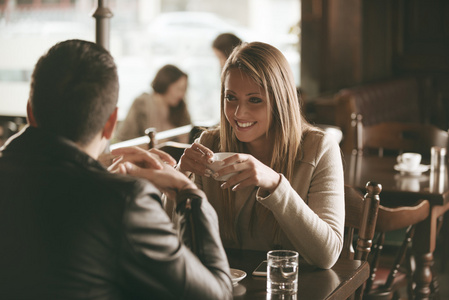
373, 73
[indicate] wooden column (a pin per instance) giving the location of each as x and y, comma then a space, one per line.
102, 29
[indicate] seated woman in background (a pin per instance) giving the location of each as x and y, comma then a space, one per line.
289, 189
163, 109
223, 46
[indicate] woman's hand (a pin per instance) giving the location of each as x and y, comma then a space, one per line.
195, 160
251, 172
155, 166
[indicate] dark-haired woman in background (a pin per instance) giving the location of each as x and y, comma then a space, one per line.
223, 46
162, 109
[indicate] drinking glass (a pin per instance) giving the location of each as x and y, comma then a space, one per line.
282, 272
437, 158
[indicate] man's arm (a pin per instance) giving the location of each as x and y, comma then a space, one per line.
156, 261
189, 263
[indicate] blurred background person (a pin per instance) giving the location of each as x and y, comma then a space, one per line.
164, 108
223, 46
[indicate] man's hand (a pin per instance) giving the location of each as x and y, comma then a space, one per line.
155, 166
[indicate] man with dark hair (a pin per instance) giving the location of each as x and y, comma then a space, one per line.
72, 230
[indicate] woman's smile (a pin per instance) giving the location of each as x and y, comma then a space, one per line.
244, 125
245, 106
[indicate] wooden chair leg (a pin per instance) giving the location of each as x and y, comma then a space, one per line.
359, 293
377, 249
410, 266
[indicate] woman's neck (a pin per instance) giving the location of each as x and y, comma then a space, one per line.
161, 99
262, 150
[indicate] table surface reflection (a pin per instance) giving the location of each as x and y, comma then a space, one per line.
429, 185
339, 282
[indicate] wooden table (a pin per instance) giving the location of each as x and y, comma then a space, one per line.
313, 283
400, 189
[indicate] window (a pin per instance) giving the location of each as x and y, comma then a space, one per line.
145, 35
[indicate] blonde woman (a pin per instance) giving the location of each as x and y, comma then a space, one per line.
289, 189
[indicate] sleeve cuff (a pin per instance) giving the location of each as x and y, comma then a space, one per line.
189, 197
262, 198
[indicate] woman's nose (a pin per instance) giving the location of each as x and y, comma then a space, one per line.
240, 110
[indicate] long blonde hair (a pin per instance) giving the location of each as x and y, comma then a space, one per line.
267, 66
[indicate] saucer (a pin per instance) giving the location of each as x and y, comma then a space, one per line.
420, 169
237, 275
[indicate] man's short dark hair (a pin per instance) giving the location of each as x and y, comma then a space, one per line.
74, 90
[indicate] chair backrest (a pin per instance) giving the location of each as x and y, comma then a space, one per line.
394, 99
361, 216
400, 137
391, 219
175, 149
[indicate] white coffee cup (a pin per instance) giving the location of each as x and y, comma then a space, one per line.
409, 161
218, 164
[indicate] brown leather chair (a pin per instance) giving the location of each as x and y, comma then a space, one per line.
360, 221
394, 99
387, 280
399, 137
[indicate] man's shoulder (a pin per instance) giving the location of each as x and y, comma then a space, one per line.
123, 186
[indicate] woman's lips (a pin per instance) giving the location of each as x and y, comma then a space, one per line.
244, 124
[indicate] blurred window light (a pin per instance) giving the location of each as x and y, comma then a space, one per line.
145, 35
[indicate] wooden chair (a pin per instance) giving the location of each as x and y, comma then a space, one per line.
175, 149
360, 220
398, 137
385, 281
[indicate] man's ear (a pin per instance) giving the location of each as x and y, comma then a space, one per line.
109, 127
30, 115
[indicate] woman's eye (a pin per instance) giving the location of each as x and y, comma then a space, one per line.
229, 97
255, 100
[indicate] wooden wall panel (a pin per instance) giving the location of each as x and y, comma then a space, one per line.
425, 36
343, 45
376, 40
350, 42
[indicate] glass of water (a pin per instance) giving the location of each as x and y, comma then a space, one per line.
282, 272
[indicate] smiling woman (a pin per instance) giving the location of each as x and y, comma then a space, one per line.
287, 191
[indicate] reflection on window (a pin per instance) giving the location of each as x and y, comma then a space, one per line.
145, 35
15, 75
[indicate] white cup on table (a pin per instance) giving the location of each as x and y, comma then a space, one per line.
218, 164
409, 161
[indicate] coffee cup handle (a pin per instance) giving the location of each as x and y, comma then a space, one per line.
399, 159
